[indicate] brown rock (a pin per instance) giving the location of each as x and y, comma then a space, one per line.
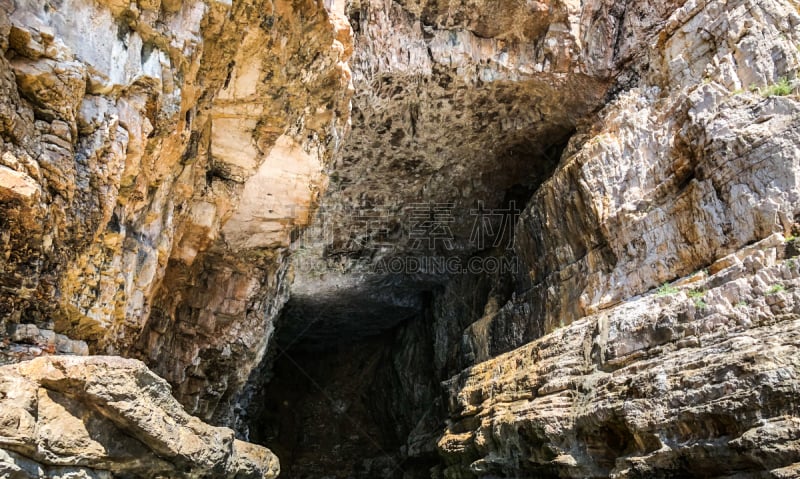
656, 386
113, 416
17, 186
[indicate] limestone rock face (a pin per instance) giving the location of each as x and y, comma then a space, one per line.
673, 181
698, 381
686, 168
156, 159
103, 417
210, 187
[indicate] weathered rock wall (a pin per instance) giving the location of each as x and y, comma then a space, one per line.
687, 167
156, 160
698, 381
693, 163
675, 179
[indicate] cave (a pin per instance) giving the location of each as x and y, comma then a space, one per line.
363, 408
400, 239
351, 385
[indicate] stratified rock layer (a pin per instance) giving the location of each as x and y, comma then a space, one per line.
160, 159
676, 178
102, 417
156, 159
694, 381
691, 165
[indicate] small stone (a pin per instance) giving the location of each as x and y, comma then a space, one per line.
15, 185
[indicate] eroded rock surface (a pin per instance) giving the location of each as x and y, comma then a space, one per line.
102, 417
160, 160
674, 180
696, 381
156, 159
689, 166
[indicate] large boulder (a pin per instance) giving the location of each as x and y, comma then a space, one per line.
104, 417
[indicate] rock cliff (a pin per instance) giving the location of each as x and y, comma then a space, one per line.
156, 159
222, 190
692, 381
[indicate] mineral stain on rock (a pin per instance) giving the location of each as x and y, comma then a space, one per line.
202, 204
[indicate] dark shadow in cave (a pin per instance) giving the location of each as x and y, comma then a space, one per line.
352, 386
368, 408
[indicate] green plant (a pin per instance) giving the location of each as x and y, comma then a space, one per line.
696, 293
601, 139
742, 304
666, 289
776, 288
790, 263
790, 238
700, 304
782, 88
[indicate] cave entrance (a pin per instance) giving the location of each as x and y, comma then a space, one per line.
352, 385
360, 408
